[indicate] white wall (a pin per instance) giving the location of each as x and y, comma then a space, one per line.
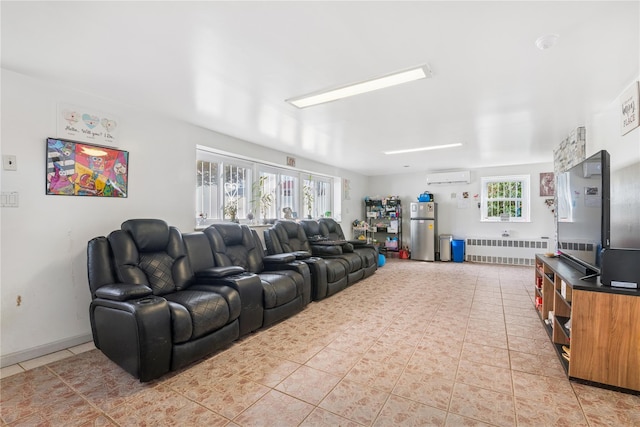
603, 133
463, 220
43, 241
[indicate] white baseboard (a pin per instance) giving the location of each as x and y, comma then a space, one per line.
42, 350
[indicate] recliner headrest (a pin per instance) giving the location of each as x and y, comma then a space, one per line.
331, 224
149, 235
311, 227
291, 228
231, 233
330, 228
291, 235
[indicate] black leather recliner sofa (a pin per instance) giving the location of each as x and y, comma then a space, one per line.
286, 283
322, 246
328, 276
330, 229
148, 313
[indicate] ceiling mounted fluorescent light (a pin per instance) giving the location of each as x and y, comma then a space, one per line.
432, 147
389, 80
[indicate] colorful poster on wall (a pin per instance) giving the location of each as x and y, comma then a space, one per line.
79, 169
82, 124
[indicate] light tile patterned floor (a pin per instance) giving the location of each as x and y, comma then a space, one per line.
420, 344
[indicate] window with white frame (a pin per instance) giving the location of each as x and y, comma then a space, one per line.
323, 197
207, 189
237, 190
226, 189
264, 201
316, 196
288, 195
505, 198
223, 188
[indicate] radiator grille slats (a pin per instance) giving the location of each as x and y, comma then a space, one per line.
505, 251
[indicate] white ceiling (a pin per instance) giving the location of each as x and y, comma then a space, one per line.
229, 66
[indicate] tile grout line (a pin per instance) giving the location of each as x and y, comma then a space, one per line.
81, 395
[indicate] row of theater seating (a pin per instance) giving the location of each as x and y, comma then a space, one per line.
342, 262
162, 299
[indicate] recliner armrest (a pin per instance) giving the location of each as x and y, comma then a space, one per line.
135, 334
302, 255
347, 247
123, 291
321, 250
279, 258
219, 272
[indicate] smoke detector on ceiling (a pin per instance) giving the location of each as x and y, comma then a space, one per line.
547, 41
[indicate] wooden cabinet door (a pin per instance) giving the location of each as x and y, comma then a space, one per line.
605, 338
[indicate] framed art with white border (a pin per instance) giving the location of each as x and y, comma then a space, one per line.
87, 125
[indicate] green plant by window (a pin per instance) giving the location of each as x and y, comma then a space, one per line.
230, 208
262, 199
307, 196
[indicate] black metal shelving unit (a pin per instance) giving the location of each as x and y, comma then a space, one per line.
384, 219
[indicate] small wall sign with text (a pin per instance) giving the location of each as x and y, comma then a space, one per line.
630, 113
82, 124
346, 189
291, 161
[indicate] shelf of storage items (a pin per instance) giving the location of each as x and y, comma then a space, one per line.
603, 335
544, 299
360, 232
384, 222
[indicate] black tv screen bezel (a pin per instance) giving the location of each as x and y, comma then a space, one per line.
578, 263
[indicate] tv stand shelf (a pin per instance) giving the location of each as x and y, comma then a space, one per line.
604, 333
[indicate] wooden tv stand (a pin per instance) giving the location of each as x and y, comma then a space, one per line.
605, 324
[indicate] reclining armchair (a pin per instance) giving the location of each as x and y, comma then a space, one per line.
323, 246
145, 314
328, 276
286, 283
330, 228
206, 272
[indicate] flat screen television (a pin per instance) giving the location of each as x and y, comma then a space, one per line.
583, 213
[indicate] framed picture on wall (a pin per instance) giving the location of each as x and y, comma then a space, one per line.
81, 169
547, 184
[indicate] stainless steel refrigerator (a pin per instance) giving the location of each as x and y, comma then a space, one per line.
424, 230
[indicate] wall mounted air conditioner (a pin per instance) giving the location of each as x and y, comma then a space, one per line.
449, 177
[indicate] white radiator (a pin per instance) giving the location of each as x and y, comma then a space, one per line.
505, 250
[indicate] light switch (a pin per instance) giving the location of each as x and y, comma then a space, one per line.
10, 199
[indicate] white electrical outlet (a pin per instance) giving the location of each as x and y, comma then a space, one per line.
9, 163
